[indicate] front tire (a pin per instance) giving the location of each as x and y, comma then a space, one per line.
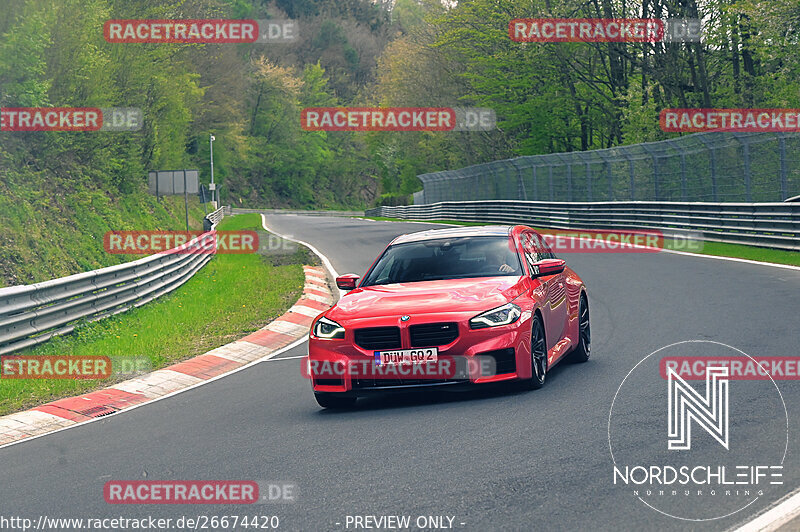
584, 347
333, 401
538, 355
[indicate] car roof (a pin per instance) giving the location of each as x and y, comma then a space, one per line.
455, 232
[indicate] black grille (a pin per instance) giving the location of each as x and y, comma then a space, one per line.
505, 361
378, 338
329, 382
98, 411
361, 384
433, 334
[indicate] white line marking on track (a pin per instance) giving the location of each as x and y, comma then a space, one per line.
405, 222
781, 513
283, 358
322, 257
733, 259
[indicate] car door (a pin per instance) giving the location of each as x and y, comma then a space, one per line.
532, 251
559, 308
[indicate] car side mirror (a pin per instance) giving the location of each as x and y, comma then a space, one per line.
548, 267
347, 281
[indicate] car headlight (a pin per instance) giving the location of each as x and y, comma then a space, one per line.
505, 315
328, 329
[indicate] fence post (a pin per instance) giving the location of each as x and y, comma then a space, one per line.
655, 176
633, 178
746, 157
675, 146
747, 185
680, 150
467, 181
589, 180
654, 156
535, 185
610, 181
714, 191
712, 158
521, 192
569, 182
493, 185
683, 176
186, 200
550, 172
784, 169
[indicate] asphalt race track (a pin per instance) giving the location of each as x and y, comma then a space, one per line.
496, 460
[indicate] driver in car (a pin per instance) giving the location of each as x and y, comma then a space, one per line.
500, 264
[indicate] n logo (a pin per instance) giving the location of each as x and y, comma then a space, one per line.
685, 404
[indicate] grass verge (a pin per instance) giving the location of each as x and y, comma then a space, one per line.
46, 235
719, 249
233, 295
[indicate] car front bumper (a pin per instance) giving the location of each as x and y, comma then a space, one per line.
476, 356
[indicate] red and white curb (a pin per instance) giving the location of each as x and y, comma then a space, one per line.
277, 335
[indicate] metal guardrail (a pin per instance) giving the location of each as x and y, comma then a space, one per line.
237, 210
216, 216
773, 225
32, 314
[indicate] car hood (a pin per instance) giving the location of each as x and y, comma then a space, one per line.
426, 297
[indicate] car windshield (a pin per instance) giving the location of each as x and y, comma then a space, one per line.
446, 258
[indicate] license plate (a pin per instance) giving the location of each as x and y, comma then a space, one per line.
402, 357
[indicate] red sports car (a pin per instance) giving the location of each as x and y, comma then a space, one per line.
469, 305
